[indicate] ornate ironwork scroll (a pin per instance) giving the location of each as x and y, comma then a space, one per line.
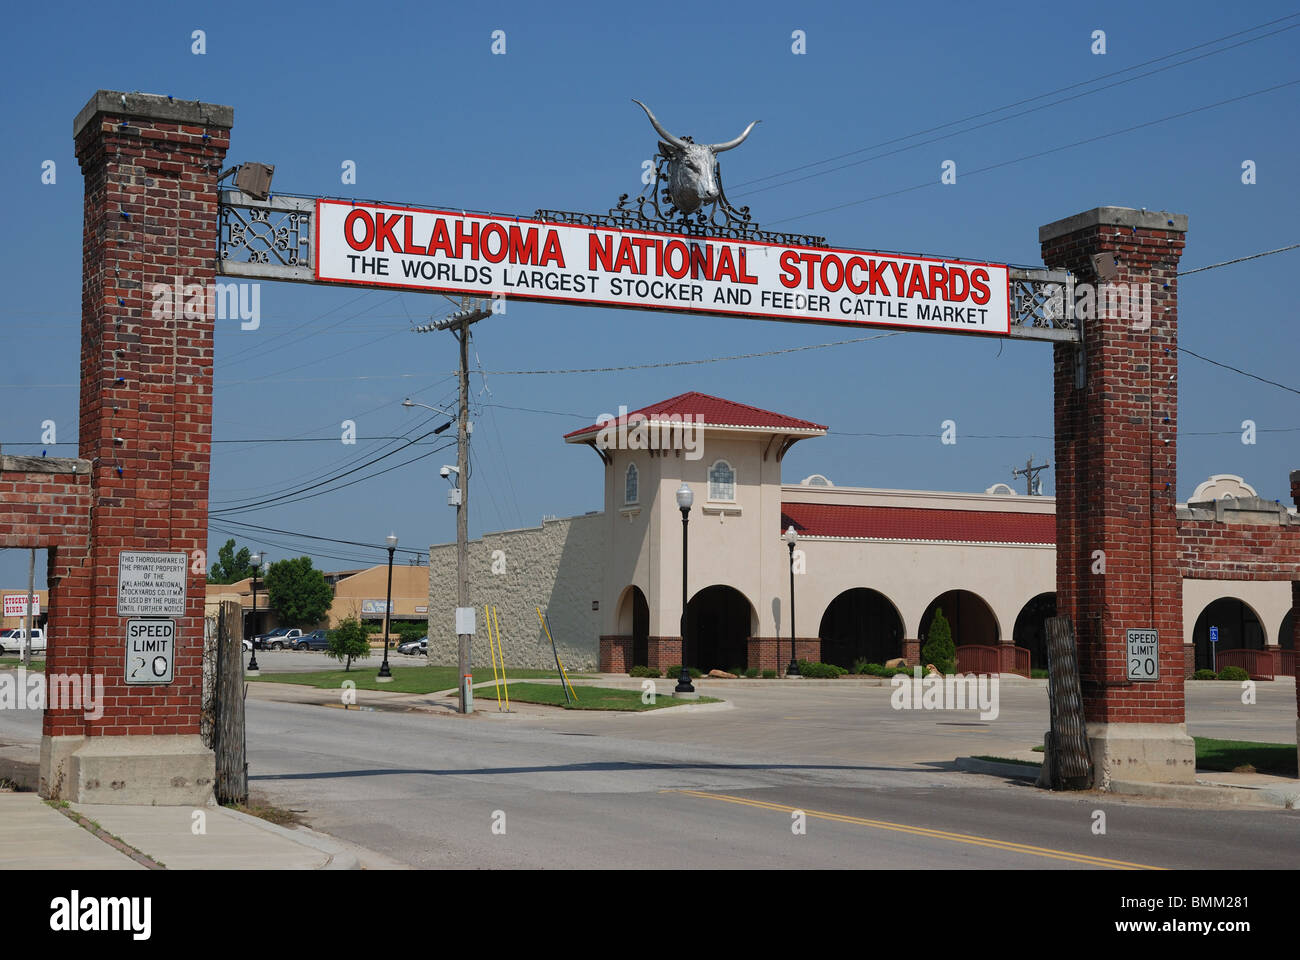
265, 238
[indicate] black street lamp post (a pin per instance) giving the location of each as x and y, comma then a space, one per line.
252, 644
791, 538
684, 500
384, 674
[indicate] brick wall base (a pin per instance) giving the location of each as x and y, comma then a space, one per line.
663, 652
773, 653
615, 654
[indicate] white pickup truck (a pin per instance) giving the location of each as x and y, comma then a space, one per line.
13, 640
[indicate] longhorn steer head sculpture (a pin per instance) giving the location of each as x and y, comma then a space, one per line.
692, 167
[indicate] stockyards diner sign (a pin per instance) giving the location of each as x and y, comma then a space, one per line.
386, 246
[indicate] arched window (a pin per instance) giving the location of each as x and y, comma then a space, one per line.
630, 486
722, 481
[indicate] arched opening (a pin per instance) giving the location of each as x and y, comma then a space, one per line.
860, 623
1286, 635
1031, 626
718, 623
970, 618
1238, 627
634, 621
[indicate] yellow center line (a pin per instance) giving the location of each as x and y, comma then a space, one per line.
1006, 845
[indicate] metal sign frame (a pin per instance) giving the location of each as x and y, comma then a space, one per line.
274, 239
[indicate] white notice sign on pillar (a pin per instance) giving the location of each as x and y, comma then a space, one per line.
151, 584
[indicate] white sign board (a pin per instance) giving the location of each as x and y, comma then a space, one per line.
151, 584
1143, 655
150, 651
15, 605
407, 248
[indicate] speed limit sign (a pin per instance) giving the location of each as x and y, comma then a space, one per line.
150, 650
1143, 655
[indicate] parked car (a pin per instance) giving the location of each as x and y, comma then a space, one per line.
277, 639
11, 640
316, 640
413, 647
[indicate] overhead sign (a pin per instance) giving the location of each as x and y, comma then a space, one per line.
1143, 655
150, 651
151, 584
15, 605
374, 245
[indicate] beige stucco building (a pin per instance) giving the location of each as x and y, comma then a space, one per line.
871, 567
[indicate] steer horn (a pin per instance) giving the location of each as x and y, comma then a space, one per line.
719, 147
672, 141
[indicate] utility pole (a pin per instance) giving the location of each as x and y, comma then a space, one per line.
459, 323
1030, 473
31, 584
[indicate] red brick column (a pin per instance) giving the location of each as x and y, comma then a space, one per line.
1116, 454
663, 652
615, 654
150, 166
1295, 615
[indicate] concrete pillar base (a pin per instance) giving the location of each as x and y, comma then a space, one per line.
156, 770
1153, 752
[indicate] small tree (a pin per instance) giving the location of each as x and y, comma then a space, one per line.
939, 648
231, 567
298, 593
350, 641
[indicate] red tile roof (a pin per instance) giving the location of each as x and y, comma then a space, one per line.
918, 523
716, 412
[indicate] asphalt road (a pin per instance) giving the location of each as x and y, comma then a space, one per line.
718, 789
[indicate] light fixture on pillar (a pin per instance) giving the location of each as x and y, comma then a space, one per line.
684, 500
793, 669
254, 179
385, 676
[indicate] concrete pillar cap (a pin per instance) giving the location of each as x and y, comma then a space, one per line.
1114, 217
153, 106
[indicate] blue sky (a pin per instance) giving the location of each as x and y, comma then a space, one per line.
414, 96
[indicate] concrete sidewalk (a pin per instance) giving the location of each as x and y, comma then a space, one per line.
36, 836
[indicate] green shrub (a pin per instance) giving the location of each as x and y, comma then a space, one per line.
769, 674
861, 665
350, 641
1037, 673
402, 631
820, 671
751, 672
675, 670
641, 671
939, 648
1204, 675
738, 671
1233, 673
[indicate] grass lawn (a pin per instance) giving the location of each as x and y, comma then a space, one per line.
405, 679
18, 662
1275, 758
1211, 754
589, 698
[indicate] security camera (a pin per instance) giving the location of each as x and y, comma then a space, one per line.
447, 471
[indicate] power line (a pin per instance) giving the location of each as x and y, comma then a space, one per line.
1253, 256
1244, 373
1012, 116
1017, 103
308, 536
1042, 153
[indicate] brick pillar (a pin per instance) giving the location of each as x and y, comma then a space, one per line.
150, 166
1116, 456
1295, 618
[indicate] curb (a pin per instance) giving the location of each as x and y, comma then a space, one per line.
339, 858
1014, 770
1287, 798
